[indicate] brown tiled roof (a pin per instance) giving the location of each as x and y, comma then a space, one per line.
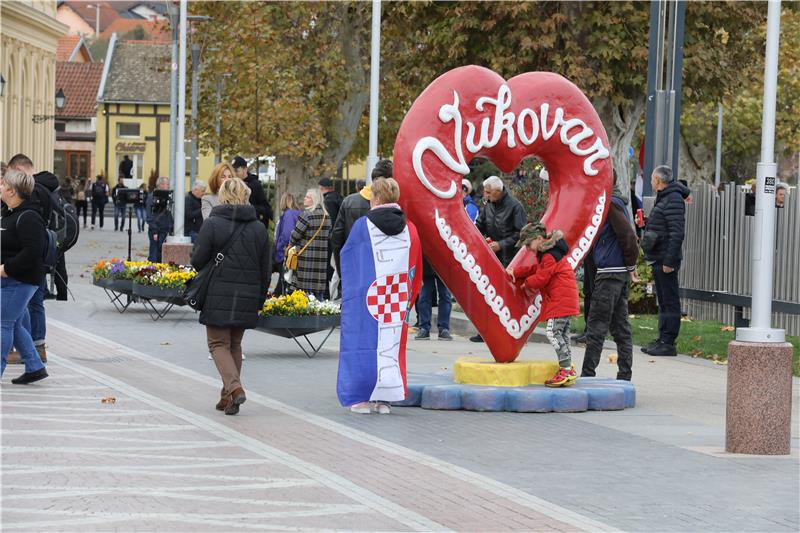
139, 73
154, 30
66, 44
79, 81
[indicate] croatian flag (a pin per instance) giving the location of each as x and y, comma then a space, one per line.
381, 275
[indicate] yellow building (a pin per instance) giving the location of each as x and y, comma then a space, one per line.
133, 112
30, 35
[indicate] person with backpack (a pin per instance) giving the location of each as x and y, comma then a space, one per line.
21, 254
43, 198
237, 289
159, 218
120, 204
141, 208
99, 198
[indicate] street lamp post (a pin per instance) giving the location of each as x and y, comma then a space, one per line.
374, 87
96, 19
180, 153
759, 399
195, 85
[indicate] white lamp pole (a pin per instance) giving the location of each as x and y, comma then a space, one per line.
180, 150
766, 178
374, 87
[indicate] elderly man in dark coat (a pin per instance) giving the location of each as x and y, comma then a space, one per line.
500, 222
662, 242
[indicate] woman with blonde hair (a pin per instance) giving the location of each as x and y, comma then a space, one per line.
21, 270
237, 289
289, 211
220, 173
310, 239
381, 276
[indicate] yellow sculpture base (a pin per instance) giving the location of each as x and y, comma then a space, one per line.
484, 371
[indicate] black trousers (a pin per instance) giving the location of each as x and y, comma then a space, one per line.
609, 312
82, 205
61, 278
98, 206
669, 304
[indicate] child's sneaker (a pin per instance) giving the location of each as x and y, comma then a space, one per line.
563, 378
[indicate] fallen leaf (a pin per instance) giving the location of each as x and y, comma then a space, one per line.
715, 358
686, 319
647, 327
166, 343
612, 358
108, 399
696, 352
651, 361
727, 328
632, 316
717, 362
696, 338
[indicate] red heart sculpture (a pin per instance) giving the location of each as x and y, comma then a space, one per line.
472, 111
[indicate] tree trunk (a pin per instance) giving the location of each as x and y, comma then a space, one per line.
696, 163
292, 176
344, 128
621, 122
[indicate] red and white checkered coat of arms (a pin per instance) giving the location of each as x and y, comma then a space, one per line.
387, 298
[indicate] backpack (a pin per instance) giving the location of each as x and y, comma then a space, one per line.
63, 221
98, 189
50, 250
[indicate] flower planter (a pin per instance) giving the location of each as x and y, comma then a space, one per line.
124, 286
153, 292
294, 326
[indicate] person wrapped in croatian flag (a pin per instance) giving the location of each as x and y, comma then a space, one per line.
381, 276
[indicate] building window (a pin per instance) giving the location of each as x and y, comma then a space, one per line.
128, 129
61, 126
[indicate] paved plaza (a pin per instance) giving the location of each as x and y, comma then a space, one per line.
124, 436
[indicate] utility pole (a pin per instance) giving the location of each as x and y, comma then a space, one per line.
195, 88
180, 154
759, 392
173, 94
664, 74
374, 87
719, 148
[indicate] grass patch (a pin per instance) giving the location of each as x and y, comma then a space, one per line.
699, 338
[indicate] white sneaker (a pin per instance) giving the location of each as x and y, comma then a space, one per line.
210, 358
384, 409
362, 408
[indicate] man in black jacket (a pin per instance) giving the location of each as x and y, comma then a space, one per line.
501, 220
662, 242
614, 255
257, 197
332, 201
193, 215
353, 207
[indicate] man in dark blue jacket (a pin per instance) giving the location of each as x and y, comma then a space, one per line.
662, 242
614, 254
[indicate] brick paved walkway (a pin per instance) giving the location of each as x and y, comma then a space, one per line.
159, 448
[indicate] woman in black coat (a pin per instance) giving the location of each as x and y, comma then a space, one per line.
236, 292
21, 253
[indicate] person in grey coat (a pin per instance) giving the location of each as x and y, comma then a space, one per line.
238, 288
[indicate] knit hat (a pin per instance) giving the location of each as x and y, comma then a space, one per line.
530, 232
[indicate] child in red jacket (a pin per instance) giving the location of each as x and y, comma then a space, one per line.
553, 277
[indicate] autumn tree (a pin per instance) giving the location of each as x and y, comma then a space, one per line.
294, 78
741, 141
599, 46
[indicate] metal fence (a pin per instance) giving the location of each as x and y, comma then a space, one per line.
717, 253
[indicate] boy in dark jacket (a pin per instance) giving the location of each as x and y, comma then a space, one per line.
553, 277
614, 254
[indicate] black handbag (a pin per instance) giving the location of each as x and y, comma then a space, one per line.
196, 289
